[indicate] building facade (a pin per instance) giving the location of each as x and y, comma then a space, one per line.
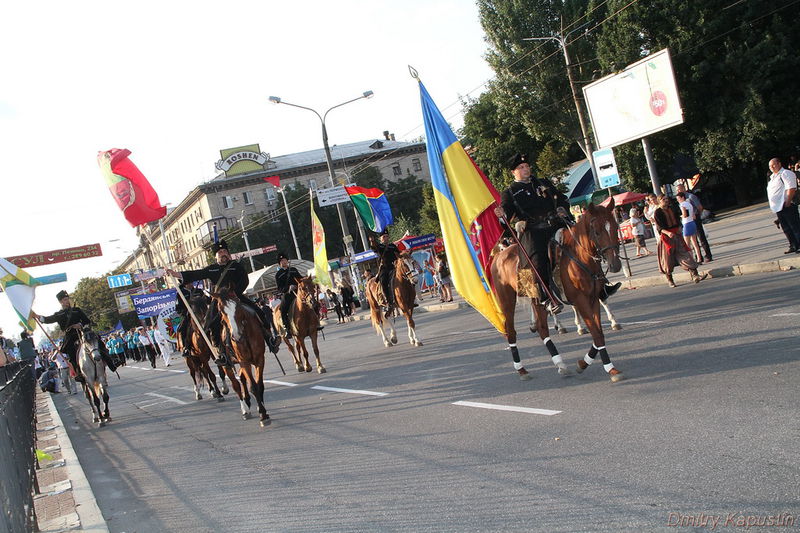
248, 184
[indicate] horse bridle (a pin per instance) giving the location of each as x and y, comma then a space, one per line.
597, 255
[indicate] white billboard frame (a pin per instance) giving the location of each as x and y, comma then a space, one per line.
614, 125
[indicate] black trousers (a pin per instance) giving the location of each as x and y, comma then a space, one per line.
385, 278
701, 238
790, 223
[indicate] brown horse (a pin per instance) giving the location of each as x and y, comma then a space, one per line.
197, 362
403, 284
579, 255
242, 332
305, 323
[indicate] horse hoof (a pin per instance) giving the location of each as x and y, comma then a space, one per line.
246, 416
581, 332
564, 371
198, 397
524, 375
387, 344
220, 399
615, 375
309, 369
299, 368
101, 424
419, 343
321, 369
582, 365
533, 329
616, 327
561, 330
95, 419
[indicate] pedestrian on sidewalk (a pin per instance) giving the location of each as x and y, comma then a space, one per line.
702, 239
63, 372
637, 225
689, 226
781, 191
672, 249
164, 344
147, 346
444, 278
337, 305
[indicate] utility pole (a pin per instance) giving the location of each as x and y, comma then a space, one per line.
587, 143
282, 190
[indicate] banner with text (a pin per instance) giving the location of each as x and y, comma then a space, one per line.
152, 304
56, 256
257, 251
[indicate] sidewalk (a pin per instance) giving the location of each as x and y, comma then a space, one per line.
65, 501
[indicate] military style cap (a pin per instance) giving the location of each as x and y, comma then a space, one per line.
516, 160
217, 246
282, 255
61, 295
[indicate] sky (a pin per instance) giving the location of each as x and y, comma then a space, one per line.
175, 82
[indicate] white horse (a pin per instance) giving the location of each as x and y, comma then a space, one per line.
94, 371
616, 326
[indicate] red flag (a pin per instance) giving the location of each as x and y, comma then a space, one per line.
131, 190
274, 180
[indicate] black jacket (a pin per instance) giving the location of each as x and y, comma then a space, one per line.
387, 254
285, 277
235, 276
68, 317
532, 202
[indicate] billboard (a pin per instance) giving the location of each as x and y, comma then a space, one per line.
56, 256
640, 100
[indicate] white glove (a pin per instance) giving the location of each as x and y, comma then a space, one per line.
520, 226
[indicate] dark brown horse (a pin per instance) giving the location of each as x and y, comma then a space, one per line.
242, 332
197, 362
305, 323
403, 284
593, 238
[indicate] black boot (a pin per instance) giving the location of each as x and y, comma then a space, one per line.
609, 290
109, 362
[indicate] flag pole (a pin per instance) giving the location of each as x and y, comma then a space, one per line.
57, 347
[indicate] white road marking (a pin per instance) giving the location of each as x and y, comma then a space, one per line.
150, 404
284, 383
350, 391
157, 369
785, 314
516, 409
165, 397
643, 322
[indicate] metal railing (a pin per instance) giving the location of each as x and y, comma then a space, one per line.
17, 457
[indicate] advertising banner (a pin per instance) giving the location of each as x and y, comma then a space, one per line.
146, 275
257, 251
168, 322
123, 299
152, 304
56, 256
421, 241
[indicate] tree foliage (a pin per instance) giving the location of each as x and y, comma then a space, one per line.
96, 299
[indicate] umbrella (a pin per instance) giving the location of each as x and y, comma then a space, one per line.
625, 198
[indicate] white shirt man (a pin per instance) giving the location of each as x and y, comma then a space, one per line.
166, 347
781, 189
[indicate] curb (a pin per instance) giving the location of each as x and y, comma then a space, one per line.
91, 518
780, 265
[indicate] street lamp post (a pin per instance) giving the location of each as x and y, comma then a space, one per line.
347, 238
246, 242
587, 144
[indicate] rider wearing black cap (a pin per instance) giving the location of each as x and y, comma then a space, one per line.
226, 272
388, 252
539, 209
70, 319
286, 279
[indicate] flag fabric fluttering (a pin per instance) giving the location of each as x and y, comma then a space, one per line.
372, 206
465, 201
20, 288
275, 181
131, 190
321, 273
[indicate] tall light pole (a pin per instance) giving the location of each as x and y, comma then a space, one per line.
587, 144
347, 238
246, 242
282, 190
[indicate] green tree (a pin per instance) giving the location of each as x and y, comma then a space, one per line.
428, 215
402, 226
94, 297
369, 177
551, 163
405, 197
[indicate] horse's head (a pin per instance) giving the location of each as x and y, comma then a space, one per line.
199, 303
228, 303
604, 233
90, 343
306, 291
404, 268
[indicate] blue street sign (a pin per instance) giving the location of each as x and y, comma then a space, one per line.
420, 242
122, 280
606, 167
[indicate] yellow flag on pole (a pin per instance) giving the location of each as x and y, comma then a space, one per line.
321, 273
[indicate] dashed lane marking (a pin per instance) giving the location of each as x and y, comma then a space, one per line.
350, 391
156, 369
530, 410
284, 383
785, 314
166, 398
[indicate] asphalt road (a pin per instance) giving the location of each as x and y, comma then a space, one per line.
706, 422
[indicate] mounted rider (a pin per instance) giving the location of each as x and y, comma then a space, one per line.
286, 278
229, 274
539, 210
70, 319
388, 252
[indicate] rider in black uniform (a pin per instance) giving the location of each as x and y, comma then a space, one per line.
225, 273
387, 255
286, 279
70, 319
539, 209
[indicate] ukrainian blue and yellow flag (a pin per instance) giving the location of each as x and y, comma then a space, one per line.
465, 200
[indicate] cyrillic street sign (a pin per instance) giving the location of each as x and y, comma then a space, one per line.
606, 167
332, 196
257, 251
56, 256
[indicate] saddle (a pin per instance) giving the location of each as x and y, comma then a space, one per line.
283, 330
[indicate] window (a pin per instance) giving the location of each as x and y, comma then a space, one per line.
248, 198
269, 194
396, 170
274, 216
312, 184
416, 164
227, 202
